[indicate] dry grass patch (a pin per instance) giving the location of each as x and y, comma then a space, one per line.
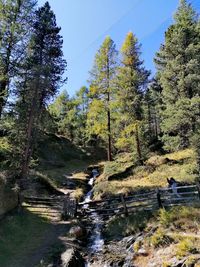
153, 174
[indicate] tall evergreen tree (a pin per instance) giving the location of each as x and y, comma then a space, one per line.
43, 67
99, 116
179, 75
131, 81
15, 23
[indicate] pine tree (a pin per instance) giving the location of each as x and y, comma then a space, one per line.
179, 75
99, 115
152, 106
15, 24
42, 77
70, 115
130, 82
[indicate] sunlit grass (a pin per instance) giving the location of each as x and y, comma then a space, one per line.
181, 165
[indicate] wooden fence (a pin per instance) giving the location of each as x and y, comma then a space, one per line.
53, 207
186, 195
64, 206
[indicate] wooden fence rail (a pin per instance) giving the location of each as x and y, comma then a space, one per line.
63, 206
160, 198
155, 199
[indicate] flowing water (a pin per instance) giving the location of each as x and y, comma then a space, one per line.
96, 241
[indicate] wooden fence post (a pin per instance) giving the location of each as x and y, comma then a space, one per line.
69, 207
65, 207
159, 199
198, 188
124, 204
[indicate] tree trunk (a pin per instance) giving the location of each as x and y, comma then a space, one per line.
137, 139
108, 112
109, 138
27, 149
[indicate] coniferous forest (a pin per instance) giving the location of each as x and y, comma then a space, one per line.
122, 110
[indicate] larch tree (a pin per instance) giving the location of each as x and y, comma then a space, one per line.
15, 22
178, 65
101, 93
43, 70
131, 81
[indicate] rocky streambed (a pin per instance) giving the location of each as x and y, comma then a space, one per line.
88, 246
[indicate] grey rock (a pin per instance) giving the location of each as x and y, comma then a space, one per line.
72, 258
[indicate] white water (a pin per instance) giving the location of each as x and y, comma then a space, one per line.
96, 241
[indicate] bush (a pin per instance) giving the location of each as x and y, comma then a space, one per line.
159, 239
186, 246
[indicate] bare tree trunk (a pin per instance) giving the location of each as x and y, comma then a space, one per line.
138, 145
108, 112
3, 89
27, 150
109, 137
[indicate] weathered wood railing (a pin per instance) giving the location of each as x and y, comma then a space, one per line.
60, 206
65, 207
185, 195
165, 197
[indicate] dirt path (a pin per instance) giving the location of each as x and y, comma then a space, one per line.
52, 236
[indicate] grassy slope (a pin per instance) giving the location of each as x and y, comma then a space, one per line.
167, 234
59, 159
23, 238
180, 165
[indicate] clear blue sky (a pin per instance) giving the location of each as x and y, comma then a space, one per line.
85, 24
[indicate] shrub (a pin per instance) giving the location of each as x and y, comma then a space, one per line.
159, 239
186, 246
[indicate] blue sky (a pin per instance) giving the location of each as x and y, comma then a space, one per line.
85, 24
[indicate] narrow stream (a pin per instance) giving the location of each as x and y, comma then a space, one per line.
96, 241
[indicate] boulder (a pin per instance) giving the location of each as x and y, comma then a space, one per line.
78, 232
72, 258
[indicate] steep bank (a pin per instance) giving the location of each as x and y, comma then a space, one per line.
146, 239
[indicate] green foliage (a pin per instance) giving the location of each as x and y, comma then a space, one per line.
127, 225
16, 20
130, 82
178, 74
41, 78
160, 239
180, 217
70, 115
100, 118
186, 246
